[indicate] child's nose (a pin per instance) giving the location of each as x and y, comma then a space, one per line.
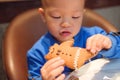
65, 24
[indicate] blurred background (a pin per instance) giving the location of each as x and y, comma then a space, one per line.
110, 9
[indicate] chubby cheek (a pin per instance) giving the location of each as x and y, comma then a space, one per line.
53, 29
77, 27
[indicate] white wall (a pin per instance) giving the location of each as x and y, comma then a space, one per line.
112, 14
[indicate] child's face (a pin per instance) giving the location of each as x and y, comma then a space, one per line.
63, 17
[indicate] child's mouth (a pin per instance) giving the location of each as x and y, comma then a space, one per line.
65, 33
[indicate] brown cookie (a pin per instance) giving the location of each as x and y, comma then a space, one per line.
74, 57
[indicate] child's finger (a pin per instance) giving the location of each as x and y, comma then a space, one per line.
52, 64
55, 73
55, 65
88, 43
49, 66
49, 62
61, 77
91, 44
107, 43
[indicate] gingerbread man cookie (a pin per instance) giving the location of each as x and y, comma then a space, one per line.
74, 57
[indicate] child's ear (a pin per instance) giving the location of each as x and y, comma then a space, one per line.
42, 14
84, 10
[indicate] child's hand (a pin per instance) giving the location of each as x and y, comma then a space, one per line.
98, 42
52, 69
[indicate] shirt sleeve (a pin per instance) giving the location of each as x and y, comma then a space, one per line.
35, 62
114, 51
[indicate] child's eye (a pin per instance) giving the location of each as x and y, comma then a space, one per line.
56, 17
76, 17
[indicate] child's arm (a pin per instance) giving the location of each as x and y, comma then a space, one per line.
108, 49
